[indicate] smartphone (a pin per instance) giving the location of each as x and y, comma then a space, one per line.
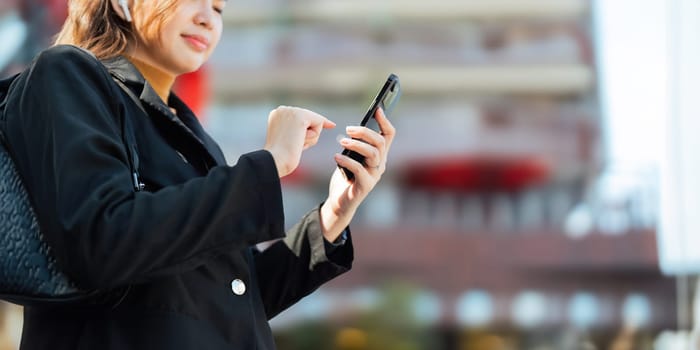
386, 99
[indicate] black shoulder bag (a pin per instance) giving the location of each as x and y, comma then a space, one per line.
29, 274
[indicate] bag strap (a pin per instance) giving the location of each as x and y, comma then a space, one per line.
129, 138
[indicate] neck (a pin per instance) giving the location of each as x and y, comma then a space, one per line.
160, 80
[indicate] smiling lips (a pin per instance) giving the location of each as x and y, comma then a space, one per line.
199, 43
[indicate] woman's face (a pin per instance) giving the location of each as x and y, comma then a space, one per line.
186, 39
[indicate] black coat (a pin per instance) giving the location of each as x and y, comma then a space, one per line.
171, 253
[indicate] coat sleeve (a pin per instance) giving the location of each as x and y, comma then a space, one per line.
63, 131
294, 267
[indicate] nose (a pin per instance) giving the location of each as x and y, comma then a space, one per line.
205, 16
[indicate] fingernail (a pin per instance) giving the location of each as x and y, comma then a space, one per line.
352, 128
345, 141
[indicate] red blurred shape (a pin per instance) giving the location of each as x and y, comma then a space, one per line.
58, 10
194, 89
299, 176
477, 173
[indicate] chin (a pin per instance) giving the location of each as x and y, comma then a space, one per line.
191, 66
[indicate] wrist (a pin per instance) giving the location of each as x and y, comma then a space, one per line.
333, 221
281, 168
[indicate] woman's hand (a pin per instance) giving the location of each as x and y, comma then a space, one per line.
290, 130
344, 197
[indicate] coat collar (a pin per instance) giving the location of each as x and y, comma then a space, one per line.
122, 69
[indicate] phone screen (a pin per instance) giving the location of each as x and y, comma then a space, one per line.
387, 98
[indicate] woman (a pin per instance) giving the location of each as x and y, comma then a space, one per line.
176, 258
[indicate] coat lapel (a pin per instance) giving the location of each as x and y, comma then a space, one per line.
185, 124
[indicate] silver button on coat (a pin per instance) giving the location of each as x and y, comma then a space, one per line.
238, 287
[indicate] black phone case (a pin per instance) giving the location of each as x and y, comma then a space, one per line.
391, 85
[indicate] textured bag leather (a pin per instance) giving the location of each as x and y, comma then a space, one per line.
29, 274
28, 271
27, 268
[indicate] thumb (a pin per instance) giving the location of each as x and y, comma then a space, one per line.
328, 124
315, 131
320, 123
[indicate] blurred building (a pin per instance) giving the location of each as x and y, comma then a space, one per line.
492, 207
493, 211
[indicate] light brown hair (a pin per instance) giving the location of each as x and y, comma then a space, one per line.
95, 26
